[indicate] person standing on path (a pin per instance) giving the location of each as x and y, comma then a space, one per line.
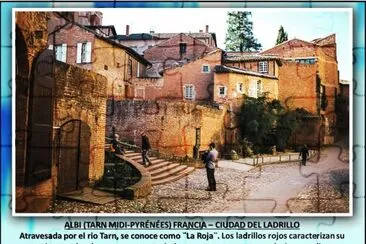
145, 147
304, 154
210, 162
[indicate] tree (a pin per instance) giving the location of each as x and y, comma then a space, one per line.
265, 123
282, 36
239, 36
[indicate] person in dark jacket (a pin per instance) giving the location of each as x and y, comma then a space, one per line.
145, 147
304, 154
210, 163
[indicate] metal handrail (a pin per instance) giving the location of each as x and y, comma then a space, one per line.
156, 153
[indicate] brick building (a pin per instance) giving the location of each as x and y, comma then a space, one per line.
60, 119
313, 64
88, 48
307, 75
142, 41
191, 82
232, 83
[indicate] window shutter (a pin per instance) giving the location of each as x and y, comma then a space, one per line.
193, 92
78, 53
253, 89
88, 52
64, 52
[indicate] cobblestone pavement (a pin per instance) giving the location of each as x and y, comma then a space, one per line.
235, 187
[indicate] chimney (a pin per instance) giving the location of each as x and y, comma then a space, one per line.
206, 28
127, 30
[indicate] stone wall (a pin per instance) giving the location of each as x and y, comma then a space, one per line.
171, 126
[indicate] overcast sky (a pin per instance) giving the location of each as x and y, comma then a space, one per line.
305, 24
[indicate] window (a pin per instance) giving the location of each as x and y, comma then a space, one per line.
61, 52
105, 67
240, 88
182, 48
306, 61
140, 93
118, 65
222, 91
205, 69
259, 88
189, 92
263, 67
83, 52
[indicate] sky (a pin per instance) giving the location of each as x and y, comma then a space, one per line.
305, 24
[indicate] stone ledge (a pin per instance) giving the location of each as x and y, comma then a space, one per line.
144, 186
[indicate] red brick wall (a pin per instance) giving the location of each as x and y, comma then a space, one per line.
297, 85
170, 126
328, 74
71, 35
169, 49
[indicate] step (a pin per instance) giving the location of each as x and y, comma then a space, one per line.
169, 173
158, 164
172, 178
153, 160
132, 154
163, 169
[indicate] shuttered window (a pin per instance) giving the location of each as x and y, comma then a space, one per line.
255, 88
189, 92
83, 52
61, 52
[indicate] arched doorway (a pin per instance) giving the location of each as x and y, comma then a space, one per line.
74, 153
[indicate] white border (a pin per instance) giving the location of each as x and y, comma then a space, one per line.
350, 214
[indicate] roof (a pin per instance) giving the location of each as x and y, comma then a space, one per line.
225, 69
134, 37
114, 43
163, 36
193, 60
285, 42
250, 57
319, 40
103, 26
234, 54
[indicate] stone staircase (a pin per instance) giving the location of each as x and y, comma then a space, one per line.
161, 170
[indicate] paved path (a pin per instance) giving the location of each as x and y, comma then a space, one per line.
273, 196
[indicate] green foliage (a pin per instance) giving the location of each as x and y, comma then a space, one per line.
282, 36
265, 123
239, 35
